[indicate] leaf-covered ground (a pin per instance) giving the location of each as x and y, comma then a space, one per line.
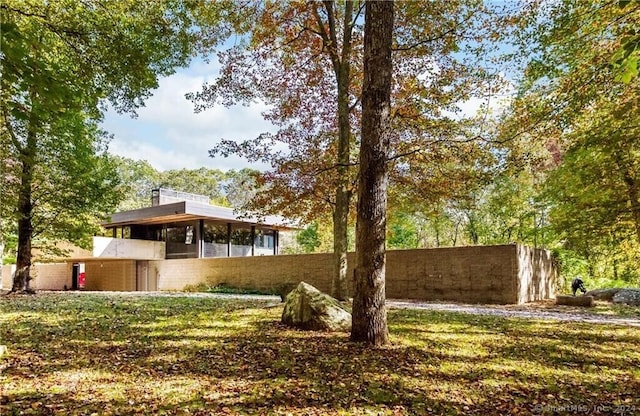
109, 354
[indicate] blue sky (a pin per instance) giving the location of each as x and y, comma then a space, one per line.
170, 135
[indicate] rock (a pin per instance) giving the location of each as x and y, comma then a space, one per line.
603, 294
617, 295
307, 308
3, 350
629, 297
574, 300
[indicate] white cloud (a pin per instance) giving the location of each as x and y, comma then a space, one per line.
160, 159
170, 135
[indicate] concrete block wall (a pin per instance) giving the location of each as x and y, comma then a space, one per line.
110, 275
477, 274
46, 276
259, 272
52, 276
538, 275
505, 274
7, 274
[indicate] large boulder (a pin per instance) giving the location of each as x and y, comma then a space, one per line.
627, 296
603, 294
307, 308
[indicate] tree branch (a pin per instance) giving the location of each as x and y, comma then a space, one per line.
9, 127
436, 38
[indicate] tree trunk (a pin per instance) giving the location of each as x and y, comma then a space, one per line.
339, 288
22, 277
343, 194
369, 313
633, 191
342, 69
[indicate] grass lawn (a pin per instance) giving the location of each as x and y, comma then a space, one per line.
110, 354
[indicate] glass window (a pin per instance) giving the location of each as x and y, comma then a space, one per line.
241, 237
241, 242
181, 241
215, 233
146, 232
215, 240
264, 242
176, 234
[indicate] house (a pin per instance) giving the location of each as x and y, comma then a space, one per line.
181, 225
182, 240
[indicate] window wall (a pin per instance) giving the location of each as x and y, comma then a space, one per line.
241, 241
148, 232
215, 240
182, 240
201, 238
264, 242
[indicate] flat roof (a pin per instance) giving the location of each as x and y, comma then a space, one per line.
190, 210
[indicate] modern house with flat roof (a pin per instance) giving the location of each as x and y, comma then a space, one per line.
181, 225
183, 241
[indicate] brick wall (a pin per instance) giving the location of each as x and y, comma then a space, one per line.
478, 274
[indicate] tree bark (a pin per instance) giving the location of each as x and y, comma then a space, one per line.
342, 70
340, 245
633, 191
343, 194
369, 313
22, 277
632, 185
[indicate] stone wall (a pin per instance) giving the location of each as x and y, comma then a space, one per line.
506, 274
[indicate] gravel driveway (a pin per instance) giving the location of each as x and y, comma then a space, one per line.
545, 311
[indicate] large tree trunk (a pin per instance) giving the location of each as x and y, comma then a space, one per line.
22, 277
369, 313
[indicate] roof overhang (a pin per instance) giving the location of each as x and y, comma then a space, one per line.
189, 211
